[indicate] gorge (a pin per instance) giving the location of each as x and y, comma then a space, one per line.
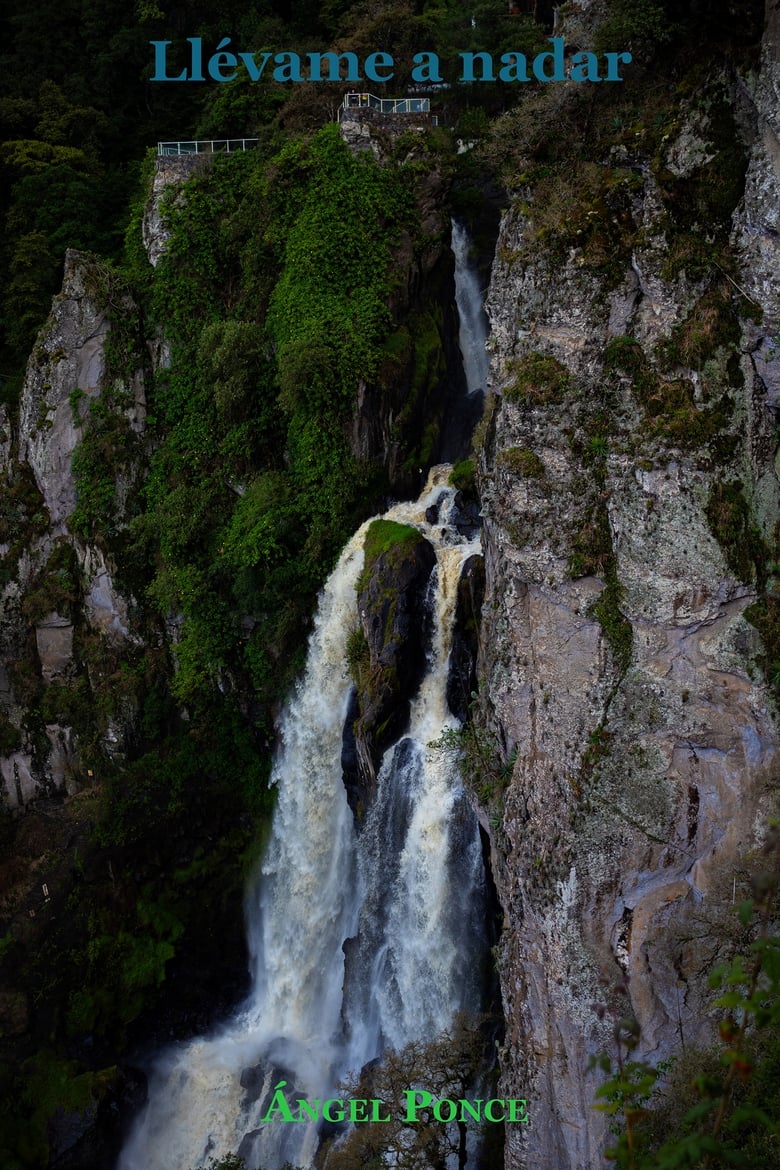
219, 430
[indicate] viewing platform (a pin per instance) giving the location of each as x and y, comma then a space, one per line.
205, 146
359, 107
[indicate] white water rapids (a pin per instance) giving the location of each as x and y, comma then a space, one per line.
408, 890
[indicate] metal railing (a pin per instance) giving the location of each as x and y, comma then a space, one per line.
206, 146
356, 101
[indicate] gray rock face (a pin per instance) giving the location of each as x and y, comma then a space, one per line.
19, 783
171, 171
367, 129
5, 437
576, 21
54, 641
105, 608
641, 772
757, 225
359, 138
66, 373
63, 758
462, 673
68, 358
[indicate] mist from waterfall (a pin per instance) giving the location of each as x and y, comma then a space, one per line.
408, 891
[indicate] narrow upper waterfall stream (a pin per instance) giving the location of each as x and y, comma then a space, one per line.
473, 321
409, 890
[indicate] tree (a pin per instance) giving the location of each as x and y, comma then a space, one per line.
447, 1068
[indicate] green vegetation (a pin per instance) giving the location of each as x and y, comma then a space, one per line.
733, 526
587, 206
462, 477
226, 518
52, 1083
392, 544
384, 536
22, 515
576, 157
481, 762
711, 323
521, 461
538, 379
595, 753
615, 625
448, 1066
55, 588
671, 412
592, 551
311, 286
76, 117
765, 616
358, 656
425, 353
640, 26
10, 739
229, 1162
593, 555
707, 196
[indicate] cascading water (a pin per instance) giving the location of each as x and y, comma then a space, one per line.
473, 322
414, 970
409, 890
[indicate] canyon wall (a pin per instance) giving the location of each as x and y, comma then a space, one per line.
630, 498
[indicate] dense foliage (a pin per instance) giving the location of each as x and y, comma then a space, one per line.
276, 309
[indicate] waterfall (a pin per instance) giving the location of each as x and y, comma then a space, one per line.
473, 330
409, 890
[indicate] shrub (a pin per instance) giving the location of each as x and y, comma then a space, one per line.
462, 477
638, 26
538, 379
521, 461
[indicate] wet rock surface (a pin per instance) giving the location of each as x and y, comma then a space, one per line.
396, 624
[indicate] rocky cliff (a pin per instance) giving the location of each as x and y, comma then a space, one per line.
630, 500
55, 582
